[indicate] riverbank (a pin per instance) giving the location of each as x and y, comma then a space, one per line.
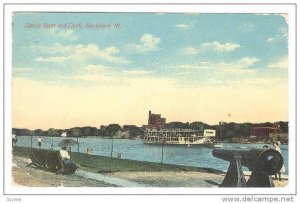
139, 172
102, 164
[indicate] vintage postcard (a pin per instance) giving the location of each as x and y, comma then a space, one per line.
165, 100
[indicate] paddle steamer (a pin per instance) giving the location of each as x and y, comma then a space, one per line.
179, 137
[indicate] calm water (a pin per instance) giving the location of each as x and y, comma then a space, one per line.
137, 150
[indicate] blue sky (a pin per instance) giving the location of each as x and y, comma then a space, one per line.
176, 51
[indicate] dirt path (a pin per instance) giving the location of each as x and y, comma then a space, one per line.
121, 182
180, 179
173, 179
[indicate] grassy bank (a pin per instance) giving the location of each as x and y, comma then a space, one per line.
101, 164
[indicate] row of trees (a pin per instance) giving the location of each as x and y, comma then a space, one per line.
131, 131
223, 130
229, 130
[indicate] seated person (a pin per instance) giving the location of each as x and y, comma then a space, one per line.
64, 153
69, 167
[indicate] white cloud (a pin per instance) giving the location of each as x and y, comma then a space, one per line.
183, 26
109, 54
219, 47
274, 39
241, 66
214, 46
203, 66
79, 52
281, 64
283, 35
246, 62
148, 43
136, 72
53, 59
190, 51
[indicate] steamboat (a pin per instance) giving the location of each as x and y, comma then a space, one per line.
179, 137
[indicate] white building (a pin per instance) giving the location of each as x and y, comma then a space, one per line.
209, 133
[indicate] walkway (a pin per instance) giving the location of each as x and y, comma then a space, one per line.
108, 179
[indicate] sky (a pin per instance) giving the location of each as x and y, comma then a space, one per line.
92, 69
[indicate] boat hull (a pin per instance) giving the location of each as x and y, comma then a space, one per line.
180, 144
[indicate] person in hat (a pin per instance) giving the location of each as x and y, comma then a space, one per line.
276, 145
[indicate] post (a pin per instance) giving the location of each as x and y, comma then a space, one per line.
77, 145
162, 150
51, 141
112, 146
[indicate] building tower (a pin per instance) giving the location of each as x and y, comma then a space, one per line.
155, 121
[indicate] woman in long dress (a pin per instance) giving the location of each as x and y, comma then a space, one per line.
276, 145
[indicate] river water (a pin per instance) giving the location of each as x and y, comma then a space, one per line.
136, 150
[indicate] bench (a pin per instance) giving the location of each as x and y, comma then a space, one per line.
50, 160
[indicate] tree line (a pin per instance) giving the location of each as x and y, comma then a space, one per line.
112, 130
231, 129
223, 130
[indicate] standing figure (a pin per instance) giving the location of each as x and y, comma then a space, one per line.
39, 142
276, 145
14, 140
